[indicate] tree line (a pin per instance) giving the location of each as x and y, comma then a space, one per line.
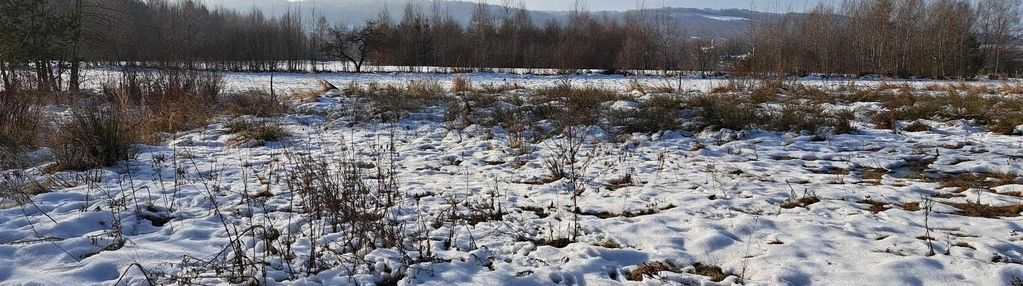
903, 38
41, 40
508, 37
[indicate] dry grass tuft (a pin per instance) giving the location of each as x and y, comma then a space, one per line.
911, 207
1012, 87
138, 107
461, 84
715, 273
94, 138
800, 202
980, 210
917, 126
578, 106
937, 87
904, 111
658, 113
767, 91
963, 244
725, 111
871, 175
967, 181
651, 269
1005, 116
609, 244
17, 188
731, 86
875, 206
392, 103
167, 101
21, 123
309, 96
629, 213
256, 131
326, 86
253, 102
805, 116
952, 102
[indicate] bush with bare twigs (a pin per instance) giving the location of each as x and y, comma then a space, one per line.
575, 105
392, 103
21, 124
657, 113
94, 138
168, 100
796, 117
725, 111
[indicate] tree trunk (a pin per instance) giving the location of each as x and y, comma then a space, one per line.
73, 81
3, 75
40, 77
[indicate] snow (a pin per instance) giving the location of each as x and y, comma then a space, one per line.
291, 81
724, 18
716, 205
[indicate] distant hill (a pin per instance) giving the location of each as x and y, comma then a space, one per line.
693, 22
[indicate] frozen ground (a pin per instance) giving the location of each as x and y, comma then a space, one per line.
712, 198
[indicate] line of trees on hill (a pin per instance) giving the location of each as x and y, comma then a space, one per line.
509, 39
928, 38
42, 40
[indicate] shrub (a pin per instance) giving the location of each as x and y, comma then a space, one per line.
817, 94
766, 91
21, 123
392, 103
842, 122
461, 84
972, 106
1006, 122
93, 138
581, 105
659, 113
1003, 114
796, 117
921, 109
725, 111
167, 101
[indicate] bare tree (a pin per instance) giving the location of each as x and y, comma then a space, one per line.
353, 45
999, 21
481, 31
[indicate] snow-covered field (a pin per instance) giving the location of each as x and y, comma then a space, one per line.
767, 208
289, 82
